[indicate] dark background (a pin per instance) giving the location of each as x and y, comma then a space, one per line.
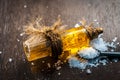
14, 16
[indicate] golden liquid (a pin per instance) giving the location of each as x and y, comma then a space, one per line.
73, 40
36, 48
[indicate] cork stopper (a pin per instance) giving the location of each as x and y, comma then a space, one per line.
93, 32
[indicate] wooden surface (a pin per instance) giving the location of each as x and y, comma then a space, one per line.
15, 14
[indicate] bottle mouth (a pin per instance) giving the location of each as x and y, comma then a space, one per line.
93, 32
100, 30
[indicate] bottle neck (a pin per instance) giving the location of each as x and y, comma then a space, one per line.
93, 32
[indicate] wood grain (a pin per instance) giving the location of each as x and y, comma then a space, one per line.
15, 14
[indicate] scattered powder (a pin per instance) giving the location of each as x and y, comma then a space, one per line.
95, 20
25, 6
58, 63
112, 50
75, 63
24, 60
32, 63
93, 64
88, 71
58, 68
103, 62
18, 40
115, 39
0, 52
59, 73
113, 44
43, 61
22, 34
118, 43
77, 25
49, 66
88, 53
115, 60
10, 60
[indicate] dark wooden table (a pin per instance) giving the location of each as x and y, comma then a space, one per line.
15, 14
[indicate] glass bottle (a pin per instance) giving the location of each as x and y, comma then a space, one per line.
72, 39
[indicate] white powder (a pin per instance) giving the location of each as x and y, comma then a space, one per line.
10, 60
95, 20
115, 60
115, 39
77, 25
18, 40
99, 44
103, 62
25, 6
0, 52
22, 34
113, 44
91, 53
88, 71
59, 73
49, 65
43, 61
32, 63
58, 68
75, 63
88, 53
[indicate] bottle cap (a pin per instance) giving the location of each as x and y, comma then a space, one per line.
93, 32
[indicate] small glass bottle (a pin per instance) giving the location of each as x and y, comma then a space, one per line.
72, 39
